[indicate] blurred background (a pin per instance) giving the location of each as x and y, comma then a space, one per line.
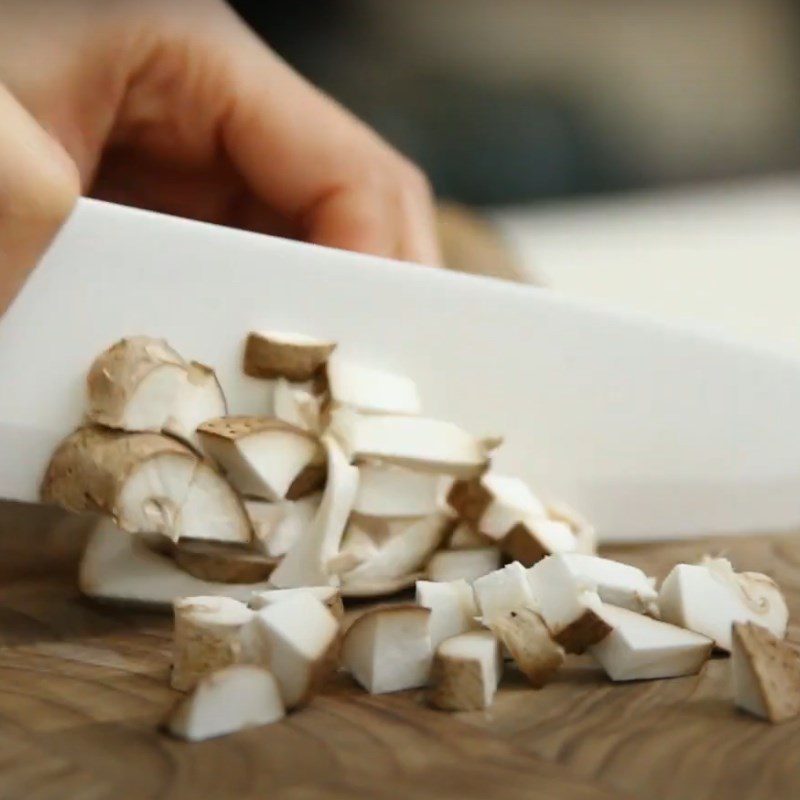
504, 101
637, 151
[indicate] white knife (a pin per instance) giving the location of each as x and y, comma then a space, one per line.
651, 430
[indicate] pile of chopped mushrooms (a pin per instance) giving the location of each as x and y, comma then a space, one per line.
254, 530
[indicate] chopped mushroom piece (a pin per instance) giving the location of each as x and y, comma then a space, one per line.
466, 671
142, 384
452, 605
232, 699
360, 542
279, 526
765, 672
347, 560
293, 356
501, 591
299, 639
329, 596
119, 567
494, 504
148, 482
525, 636
466, 537
568, 604
264, 517
310, 480
388, 649
296, 406
212, 562
207, 637
133, 384
371, 390
385, 490
617, 583
261, 456
505, 510
709, 597
199, 399
380, 588
404, 552
640, 647
414, 442
585, 534
306, 563
533, 539
450, 565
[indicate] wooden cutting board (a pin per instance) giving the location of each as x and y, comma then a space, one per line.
83, 687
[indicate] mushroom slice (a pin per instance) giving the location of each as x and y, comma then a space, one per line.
501, 591
641, 647
583, 530
280, 525
388, 649
347, 560
404, 552
466, 537
380, 588
371, 390
264, 517
200, 398
452, 605
261, 456
494, 504
207, 637
360, 542
415, 442
569, 605
525, 636
296, 406
450, 565
133, 384
534, 538
617, 583
148, 482
709, 597
385, 490
142, 384
119, 567
765, 672
466, 672
299, 639
310, 480
306, 563
294, 356
232, 699
329, 596
212, 562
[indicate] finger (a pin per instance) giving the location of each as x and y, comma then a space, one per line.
216, 194
353, 218
419, 242
313, 162
39, 186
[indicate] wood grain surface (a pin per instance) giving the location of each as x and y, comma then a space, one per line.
83, 688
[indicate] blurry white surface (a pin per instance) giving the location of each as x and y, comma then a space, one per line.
727, 256
650, 429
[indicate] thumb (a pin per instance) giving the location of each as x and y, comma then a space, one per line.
39, 185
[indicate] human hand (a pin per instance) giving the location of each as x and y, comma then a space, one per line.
177, 106
39, 185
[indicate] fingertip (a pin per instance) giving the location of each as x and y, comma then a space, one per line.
350, 219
